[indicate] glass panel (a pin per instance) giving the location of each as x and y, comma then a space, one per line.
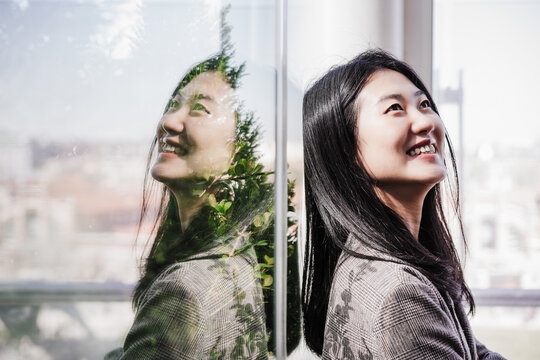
84, 86
482, 70
497, 139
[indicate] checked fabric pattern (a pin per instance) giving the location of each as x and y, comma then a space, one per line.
208, 307
388, 310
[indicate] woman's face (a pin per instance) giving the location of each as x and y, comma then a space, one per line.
400, 137
196, 134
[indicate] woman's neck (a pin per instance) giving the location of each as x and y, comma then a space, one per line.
406, 202
188, 206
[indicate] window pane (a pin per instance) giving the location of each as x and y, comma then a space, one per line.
84, 86
498, 139
485, 78
510, 331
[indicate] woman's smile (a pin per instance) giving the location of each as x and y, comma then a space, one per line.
179, 149
422, 148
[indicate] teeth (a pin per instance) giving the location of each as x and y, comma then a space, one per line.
427, 149
173, 149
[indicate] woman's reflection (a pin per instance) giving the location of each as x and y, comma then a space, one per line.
200, 296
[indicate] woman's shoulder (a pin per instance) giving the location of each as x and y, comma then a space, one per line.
374, 306
190, 311
211, 265
383, 270
197, 278
372, 282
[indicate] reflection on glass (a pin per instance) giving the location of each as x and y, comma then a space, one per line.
206, 289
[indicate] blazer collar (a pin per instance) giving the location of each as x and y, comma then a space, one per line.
356, 246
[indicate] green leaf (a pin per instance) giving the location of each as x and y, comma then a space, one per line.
269, 260
262, 265
267, 280
239, 169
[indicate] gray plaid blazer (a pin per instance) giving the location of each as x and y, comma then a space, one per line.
389, 310
207, 307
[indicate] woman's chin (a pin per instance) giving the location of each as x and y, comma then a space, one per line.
166, 175
438, 176
431, 181
429, 176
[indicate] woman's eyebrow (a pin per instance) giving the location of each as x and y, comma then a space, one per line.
201, 96
399, 96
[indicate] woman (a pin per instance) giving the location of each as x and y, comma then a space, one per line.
382, 279
199, 296
206, 287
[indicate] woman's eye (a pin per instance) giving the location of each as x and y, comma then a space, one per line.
173, 105
394, 107
199, 107
425, 104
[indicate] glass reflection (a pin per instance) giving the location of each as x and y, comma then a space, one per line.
206, 288
200, 296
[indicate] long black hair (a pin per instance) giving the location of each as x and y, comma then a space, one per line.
341, 201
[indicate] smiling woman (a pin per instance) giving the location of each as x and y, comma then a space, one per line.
206, 287
400, 142
397, 128
200, 294
382, 279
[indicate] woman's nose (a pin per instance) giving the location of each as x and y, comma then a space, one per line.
175, 122
422, 123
